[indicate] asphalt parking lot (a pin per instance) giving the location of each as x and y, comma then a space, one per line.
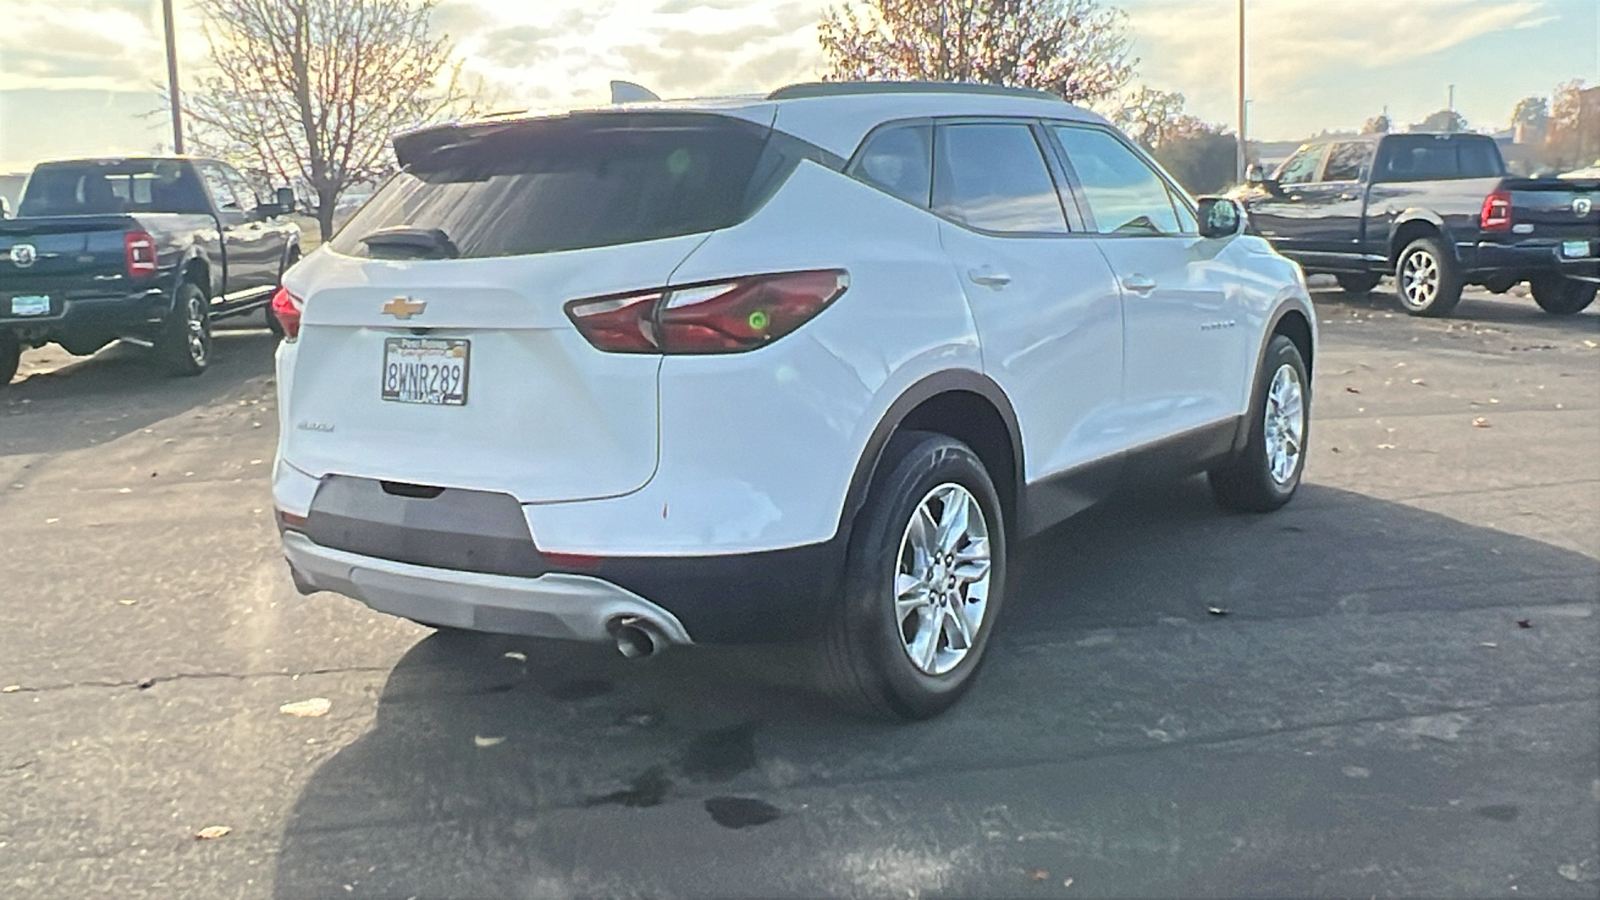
1369, 718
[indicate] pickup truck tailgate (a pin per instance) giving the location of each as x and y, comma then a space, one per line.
62, 257
1556, 208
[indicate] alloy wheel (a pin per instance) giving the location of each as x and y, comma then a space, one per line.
1285, 423
1419, 279
942, 579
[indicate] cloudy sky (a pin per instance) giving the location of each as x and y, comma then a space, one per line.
77, 77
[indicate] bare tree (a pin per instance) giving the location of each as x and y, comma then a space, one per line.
1378, 124
312, 90
1574, 138
1150, 117
1442, 120
1076, 49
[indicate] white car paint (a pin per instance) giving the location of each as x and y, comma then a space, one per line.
642, 455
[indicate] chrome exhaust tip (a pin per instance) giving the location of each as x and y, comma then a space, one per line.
636, 637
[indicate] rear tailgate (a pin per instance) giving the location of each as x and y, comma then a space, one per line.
60, 257
1555, 209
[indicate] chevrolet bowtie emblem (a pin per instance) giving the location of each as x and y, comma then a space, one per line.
404, 307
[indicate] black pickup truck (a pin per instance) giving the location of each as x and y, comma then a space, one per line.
1437, 212
146, 250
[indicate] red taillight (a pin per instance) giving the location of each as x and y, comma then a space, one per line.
139, 250
720, 317
1496, 214
286, 307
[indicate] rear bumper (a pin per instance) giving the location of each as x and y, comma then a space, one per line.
1536, 257
113, 314
554, 605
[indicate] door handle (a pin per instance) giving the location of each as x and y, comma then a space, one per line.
1139, 284
989, 277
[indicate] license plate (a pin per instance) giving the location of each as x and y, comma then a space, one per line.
1574, 249
430, 371
30, 305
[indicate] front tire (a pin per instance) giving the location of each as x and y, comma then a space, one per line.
923, 586
1265, 474
1561, 296
1358, 284
184, 345
1427, 278
10, 357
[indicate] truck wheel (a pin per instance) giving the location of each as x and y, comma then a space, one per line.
1358, 284
184, 345
10, 357
1427, 278
1263, 476
923, 583
1562, 296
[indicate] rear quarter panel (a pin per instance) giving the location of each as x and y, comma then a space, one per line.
1451, 206
758, 448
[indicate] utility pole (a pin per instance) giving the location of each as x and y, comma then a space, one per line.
172, 79
1242, 123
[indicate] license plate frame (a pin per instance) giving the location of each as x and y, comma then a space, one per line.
1575, 249
425, 371
29, 305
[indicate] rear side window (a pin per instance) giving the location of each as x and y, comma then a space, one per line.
994, 178
91, 189
1423, 157
1125, 195
898, 161
575, 182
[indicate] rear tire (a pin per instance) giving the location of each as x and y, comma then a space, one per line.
10, 357
1427, 278
184, 344
1358, 284
1264, 474
1561, 296
901, 642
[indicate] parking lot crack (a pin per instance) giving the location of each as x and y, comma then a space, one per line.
150, 682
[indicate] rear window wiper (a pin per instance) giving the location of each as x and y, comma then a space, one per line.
405, 241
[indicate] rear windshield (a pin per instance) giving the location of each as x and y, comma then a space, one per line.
579, 181
1422, 157
94, 189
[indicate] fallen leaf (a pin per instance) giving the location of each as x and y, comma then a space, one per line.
1385, 446
1493, 400
51, 521
307, 709
1400, 365
255, 462
1216, 611
125, 491
1419, 382
1590, 344
1334, 449
1067, 883
211, 832
1481, 422
1524, 623
517, 655
127, 602
1490, 644
10, 689
1038, 875
1352, 390
488, 741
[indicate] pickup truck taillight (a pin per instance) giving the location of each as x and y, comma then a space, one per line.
286, 307
139, 250
1496, 214
729, 316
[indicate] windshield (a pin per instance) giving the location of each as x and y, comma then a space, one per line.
565, 184
95, 188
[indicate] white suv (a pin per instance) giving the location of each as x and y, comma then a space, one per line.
769, 368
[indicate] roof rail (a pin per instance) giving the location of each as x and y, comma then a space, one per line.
853, 88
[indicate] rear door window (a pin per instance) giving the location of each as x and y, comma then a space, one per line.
898, 161
1425, 157
545, 185
993, 177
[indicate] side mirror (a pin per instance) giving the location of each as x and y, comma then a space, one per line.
1220, 217
1255, 175
285, 198
5, 208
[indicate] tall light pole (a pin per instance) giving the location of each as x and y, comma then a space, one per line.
172, 79
1242, 123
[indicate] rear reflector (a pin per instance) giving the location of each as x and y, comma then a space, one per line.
288, 521
287, 307
730, 316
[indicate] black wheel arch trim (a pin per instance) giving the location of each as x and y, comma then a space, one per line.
1411, 217
1293, 305
947, 382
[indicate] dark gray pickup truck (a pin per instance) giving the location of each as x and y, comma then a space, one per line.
1437, 212
146, 250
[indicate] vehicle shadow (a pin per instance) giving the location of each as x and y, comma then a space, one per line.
1476, 306
120, 390
508, 767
